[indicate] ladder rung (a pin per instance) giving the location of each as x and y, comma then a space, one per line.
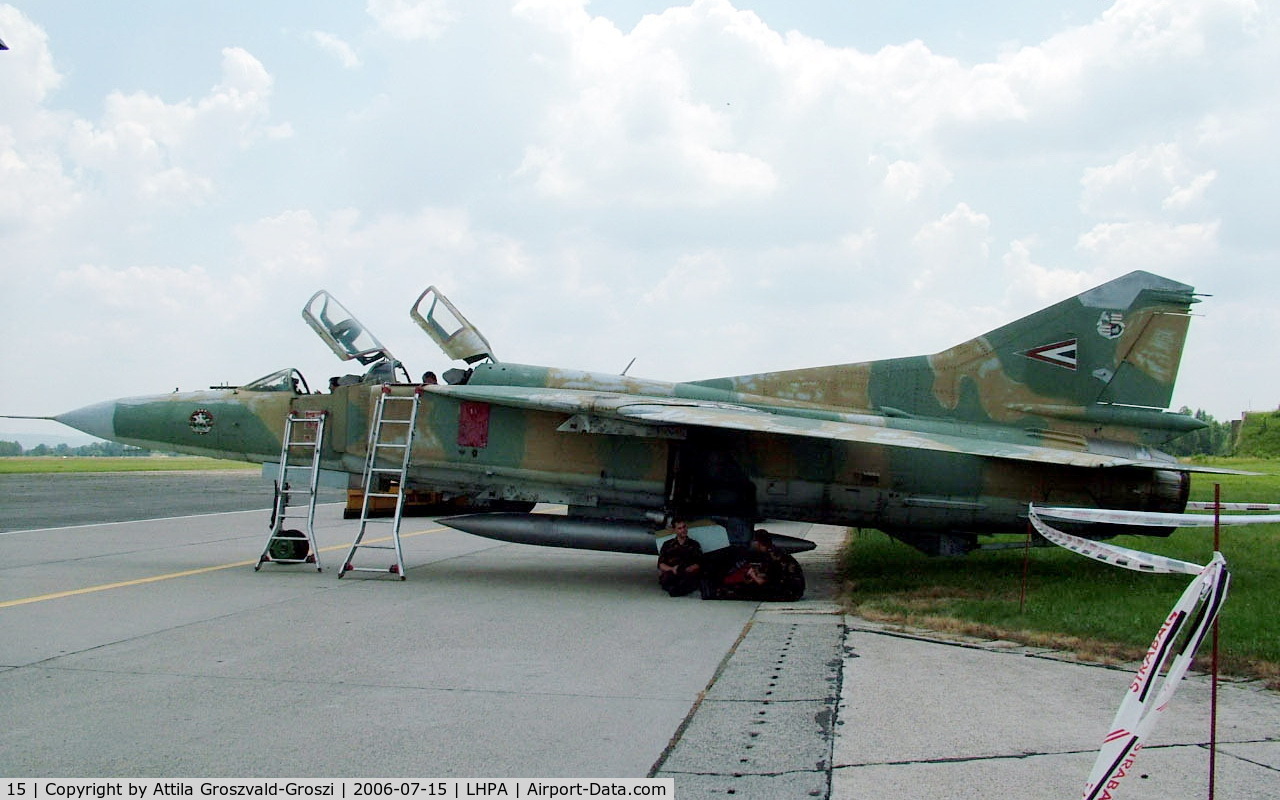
381, 494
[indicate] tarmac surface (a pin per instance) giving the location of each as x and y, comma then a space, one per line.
152, 648
61, 499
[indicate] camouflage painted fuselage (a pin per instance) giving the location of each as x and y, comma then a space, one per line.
1061, 407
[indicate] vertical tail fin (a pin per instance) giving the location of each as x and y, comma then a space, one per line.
1119, 344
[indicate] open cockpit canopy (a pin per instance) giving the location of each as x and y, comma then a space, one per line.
342, 332
445, 324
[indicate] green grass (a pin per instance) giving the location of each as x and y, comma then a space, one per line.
1100, 611
46, 464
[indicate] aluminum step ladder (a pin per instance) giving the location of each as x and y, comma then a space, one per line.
299, 477
390, 440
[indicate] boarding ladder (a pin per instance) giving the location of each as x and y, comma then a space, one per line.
299, 476
390, 440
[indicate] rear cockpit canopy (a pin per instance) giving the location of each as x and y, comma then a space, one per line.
444, 323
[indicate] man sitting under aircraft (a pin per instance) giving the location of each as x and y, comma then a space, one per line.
680, 562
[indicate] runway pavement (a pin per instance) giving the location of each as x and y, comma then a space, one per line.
153, 649
84, 498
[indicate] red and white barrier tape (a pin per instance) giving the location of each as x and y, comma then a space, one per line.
1173, 649
1196, 505
1162, 520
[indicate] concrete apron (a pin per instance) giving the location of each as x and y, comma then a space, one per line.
813, 703
810, 703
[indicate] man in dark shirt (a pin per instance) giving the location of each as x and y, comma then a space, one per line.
680, 562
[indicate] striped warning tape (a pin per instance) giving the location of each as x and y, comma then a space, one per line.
1168, 658
1157, 519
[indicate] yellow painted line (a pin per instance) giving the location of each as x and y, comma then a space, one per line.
185, 573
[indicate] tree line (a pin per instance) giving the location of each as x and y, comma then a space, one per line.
1257, 435
97, 449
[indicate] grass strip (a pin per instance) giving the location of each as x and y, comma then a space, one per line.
1099, 612
17, 465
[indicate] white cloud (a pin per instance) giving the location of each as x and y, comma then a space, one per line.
907, 181
336, 47
553, 170
30, 73
954, 247
36, 192
412, 19
637, 125
1153, 246
1031, 284
698, 275
1143, 183
175, 292
166, 153
1184, 197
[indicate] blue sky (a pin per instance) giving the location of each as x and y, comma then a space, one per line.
712, 187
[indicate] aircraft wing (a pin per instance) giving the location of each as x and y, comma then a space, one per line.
679, 412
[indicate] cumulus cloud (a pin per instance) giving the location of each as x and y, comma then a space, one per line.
1154, 246
1143, 183
412, 19
696, 275
29, 65
336, 47
907, 181
167, 152
632, 126
868, 201
345, 247
957, 245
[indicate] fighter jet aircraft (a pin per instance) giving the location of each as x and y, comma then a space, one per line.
1063, 407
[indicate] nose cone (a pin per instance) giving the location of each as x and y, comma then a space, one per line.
95, 420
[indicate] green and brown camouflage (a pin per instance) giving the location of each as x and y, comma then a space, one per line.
1062, 407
